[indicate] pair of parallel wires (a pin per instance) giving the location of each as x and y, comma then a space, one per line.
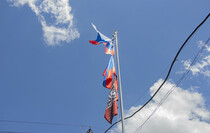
198, 55
166, 78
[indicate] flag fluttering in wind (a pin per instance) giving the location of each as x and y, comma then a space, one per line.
109, 73
110, 77
111, 108
109, 47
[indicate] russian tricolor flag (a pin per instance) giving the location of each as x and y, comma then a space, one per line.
109, 47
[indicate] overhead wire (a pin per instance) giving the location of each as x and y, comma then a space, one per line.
147, 90
48, 123
42, 123
10, 132
166, 75
198, 55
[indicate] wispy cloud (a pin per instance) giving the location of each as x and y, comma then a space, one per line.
201, 67
183, 112
55, 17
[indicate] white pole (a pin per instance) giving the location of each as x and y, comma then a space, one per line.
120, 89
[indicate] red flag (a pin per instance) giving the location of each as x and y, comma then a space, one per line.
111, 107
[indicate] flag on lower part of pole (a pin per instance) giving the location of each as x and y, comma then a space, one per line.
109, 73
111, 107
109, 47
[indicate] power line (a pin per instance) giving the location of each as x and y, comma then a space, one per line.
166, 75
49, 123
10, 132
173, 87
43, 123
147, 90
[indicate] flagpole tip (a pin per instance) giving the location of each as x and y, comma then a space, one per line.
115, 32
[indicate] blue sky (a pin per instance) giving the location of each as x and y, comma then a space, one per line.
49, 72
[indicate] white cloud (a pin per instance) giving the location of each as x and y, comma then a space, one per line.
183, 112
201, 67
55, 17
19, 2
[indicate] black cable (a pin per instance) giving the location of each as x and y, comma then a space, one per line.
177, 84
147, 90
42, 123
166, 76
48, 123
10, 132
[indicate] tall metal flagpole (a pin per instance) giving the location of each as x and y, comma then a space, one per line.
120, 88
